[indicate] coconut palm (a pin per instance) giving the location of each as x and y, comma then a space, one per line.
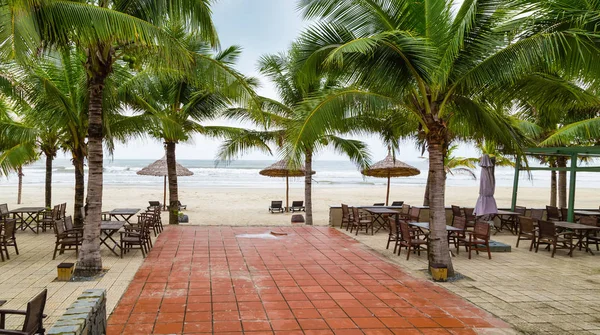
284, 71
174, 104
439, 60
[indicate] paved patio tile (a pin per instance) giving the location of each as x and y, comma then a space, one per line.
315, 280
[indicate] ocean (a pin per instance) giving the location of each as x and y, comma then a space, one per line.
244, 174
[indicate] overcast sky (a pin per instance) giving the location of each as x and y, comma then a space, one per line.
259, 27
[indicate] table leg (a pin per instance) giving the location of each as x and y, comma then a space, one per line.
108, 235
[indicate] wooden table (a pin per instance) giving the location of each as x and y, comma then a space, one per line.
512, 220
124, 213
587, 213
378, 215
108, 229
425, 225
581, 231
26, 216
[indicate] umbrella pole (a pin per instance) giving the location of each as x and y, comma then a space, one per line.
387, 196
165, 194
287, 193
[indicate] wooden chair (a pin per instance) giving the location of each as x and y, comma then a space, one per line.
397, 203
547, 234
63, 211
455, 236
65, 239
592, 237
404, 212
394, 235
413, 214
471, 218
34, 316
521, 210
479, 239
456, 212
408, 240
537, 214
134, 239
48, 218
276, 206
527, 231
552, 213
346, 217
360, 221
564, 213
4, 212
7, 237
158, 226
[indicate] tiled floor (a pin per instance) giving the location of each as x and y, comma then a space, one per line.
27, 274
315, 280
533, 292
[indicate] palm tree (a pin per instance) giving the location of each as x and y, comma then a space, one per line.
56, 87
284, 71
175, 104
441, 64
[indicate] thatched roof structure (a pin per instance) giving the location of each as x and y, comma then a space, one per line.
159, 169
389, 167
281, 169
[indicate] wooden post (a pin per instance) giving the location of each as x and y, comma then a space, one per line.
165, 194
387, 197
516, 183
572, 182
287, 192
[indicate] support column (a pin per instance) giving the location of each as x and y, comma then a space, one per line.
572, 185
516, 182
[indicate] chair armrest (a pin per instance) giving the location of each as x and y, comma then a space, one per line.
12, 311
11, 332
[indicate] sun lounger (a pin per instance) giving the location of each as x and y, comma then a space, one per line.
179, 205
297, 206
154, 204
276, 206
398, 203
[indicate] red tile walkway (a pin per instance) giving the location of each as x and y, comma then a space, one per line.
205, 280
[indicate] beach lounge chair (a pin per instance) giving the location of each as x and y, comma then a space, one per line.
34, 316
297, 206
153, 204
379, 204
276, 206
179, 205
398, 203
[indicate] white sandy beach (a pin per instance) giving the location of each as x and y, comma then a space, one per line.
247, 206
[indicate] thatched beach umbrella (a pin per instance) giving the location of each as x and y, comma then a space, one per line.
281, 169
159, 169
389, 167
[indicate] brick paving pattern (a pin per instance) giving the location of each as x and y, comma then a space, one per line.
316, 280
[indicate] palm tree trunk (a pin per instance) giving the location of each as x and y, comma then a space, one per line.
561, 162
552, 184
438, 239
48, 185
78, 161
427, 187
308, 188
20, 186
89, 261
172, 177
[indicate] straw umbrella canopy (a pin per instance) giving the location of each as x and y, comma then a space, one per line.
390, 167
282, 169
159, 169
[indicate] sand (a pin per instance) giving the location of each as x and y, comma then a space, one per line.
245, 206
